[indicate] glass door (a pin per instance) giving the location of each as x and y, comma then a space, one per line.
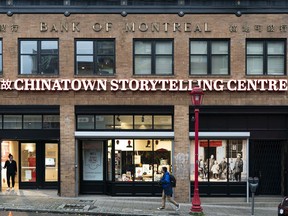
92, 156
39, 165
28, 162
51, 162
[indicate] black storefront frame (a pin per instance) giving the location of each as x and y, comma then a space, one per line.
40, 182
264, 123
116, 188
25, 135
127, 188
228, 187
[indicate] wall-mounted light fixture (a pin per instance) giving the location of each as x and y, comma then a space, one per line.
142, 118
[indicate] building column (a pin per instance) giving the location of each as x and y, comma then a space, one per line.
181, 153
67, 151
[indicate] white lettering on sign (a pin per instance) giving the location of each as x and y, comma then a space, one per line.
144, 85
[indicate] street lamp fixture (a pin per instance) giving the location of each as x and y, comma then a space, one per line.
196, 98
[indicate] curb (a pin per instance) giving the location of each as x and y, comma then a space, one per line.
70, 212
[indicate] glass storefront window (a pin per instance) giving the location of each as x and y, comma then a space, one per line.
32, 121
12, 121
85, 122
124, 167
141, 160
143, 122
28, 162
123, 122
104, 122
51, 121
0, 121
220, 160
163, 122
51, 162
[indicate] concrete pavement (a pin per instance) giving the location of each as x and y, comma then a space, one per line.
48, 201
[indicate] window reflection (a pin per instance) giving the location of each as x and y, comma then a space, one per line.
39, 57
95, 57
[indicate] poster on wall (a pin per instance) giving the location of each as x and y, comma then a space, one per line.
92, 159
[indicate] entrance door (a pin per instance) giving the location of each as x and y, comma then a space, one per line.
265, 163
38, 165
92, 167
8, 147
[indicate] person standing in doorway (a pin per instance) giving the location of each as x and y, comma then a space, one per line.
11, 167
167, 189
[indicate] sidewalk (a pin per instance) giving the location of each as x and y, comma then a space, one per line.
48, 201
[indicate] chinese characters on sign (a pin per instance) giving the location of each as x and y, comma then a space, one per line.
258, 28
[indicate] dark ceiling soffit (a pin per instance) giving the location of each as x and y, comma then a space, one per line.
29, 109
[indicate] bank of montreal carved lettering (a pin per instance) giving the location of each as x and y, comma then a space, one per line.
127, 27
185, 27
144, 85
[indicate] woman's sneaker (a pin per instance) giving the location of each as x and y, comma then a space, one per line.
178, 207
160, 208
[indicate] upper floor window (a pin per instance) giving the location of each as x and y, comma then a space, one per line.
39, 57
209, 57
95, 57
1, 58
153, 57
265, 57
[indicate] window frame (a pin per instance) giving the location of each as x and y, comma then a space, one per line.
209, 56
94, 56
38, 55
265, 56
1, 57
153, 56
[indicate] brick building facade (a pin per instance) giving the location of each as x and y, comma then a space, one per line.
245, 121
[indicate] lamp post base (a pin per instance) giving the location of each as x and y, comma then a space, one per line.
196, 203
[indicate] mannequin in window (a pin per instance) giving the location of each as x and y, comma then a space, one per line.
223, 169
238, 168
210, 163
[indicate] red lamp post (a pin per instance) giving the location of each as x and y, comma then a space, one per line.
196, 97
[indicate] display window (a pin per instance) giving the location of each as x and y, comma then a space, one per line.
141, 160
220, 160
